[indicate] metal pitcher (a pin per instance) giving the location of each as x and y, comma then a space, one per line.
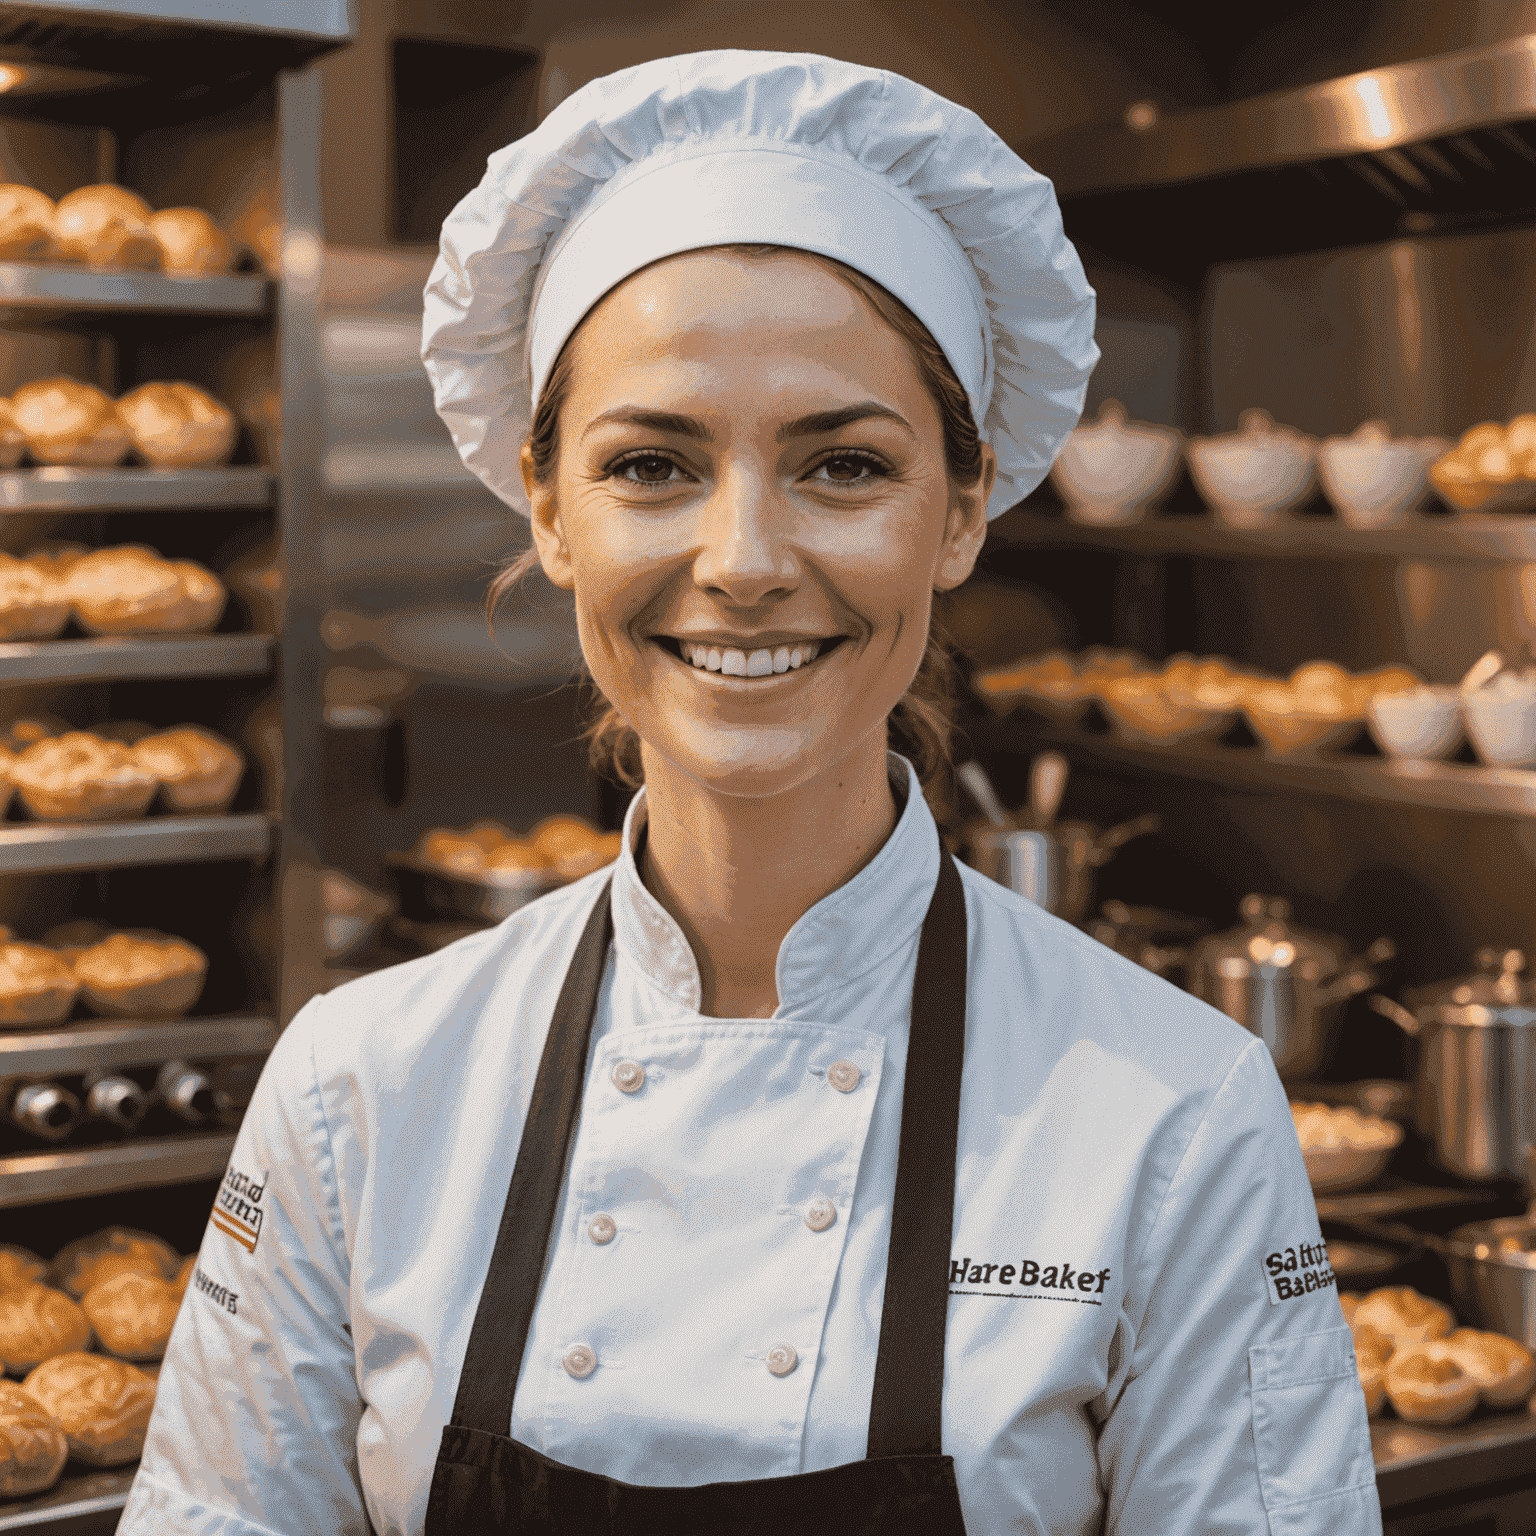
1283, 984
1475, 1082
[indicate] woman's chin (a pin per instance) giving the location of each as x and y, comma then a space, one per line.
750, 761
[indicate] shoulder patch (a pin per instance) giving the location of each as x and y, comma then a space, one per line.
237, 1212
1296, 1271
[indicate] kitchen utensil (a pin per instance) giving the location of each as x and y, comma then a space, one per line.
1282, 983
1155, 939
1025, 861
1047, 784
974, 777
1492, 1267
1475, 1084
1111, 471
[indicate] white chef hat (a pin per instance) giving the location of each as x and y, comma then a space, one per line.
736, 147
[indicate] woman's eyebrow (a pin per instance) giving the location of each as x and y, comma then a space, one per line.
818, 423
653, 421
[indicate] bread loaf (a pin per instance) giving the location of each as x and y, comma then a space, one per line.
130, 590
67, 422
80, 777
1405, 1316
140, 975
102, 1405
191, 243
198, 771
26, 225
178, 425
33, 1446
106, 226
33, 605
1425, 1385
83, 1264
38, 1323
19, 1268
1503, 1369
37, 986
132, 1314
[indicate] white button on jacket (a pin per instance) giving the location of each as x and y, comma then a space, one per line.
1142, 1334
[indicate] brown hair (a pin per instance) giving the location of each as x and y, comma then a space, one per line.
920, 721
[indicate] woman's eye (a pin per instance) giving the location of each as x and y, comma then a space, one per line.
647, 469
849, 469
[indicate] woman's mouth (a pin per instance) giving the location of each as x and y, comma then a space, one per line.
739, 661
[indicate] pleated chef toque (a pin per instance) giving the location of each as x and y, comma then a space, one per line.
760, 148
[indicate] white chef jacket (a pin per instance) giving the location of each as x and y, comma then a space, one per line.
1143, 1331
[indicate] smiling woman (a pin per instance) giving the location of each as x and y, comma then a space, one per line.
783, 1175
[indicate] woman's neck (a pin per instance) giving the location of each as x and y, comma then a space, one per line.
737, 872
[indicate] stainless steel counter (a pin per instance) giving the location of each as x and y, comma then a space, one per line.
1420, 1461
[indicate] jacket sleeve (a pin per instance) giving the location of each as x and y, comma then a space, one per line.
1235, 1405
256, 1415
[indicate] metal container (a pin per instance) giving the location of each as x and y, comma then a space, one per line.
1493, 1275
1053, 868
1283, 984
428, 891
1157, 940
1475, 1089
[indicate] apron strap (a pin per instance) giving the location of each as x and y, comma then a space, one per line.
511, 1292
906, 1409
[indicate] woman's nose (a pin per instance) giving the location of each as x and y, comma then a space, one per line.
744, 551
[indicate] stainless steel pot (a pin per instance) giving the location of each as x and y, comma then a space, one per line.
1054, 868
1493, 1275
1155, 939
1475, 1084
1283, 984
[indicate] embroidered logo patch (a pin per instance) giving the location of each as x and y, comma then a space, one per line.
237, 1212
1297, 1271
220, 1295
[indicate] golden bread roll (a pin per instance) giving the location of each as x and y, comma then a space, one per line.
82, 1265
33, 1447
203, 597
451, 850
198, 771
106, 226
80, 777
133, 1314
603, 849
561, 836
102, 1405
184, 1274
13, 441
191, 243
1426, 1386
67, 422
177, 425
1405, 1316
18, 735
140, 975
38, 1323
489, 834
33, 606
26, 224
516, 856
1373, 1353
19, 1268
37, 986
55, 557
125, 590
1503, 1369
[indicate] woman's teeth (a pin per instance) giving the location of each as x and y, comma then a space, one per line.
734, 663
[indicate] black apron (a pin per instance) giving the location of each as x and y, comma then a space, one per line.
487, 1484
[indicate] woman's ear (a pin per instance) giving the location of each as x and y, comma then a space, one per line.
965, 528
548, 534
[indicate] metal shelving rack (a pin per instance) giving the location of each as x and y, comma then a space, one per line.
163, 90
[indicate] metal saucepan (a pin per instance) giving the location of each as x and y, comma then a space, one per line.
1475, 1085
1493, 1274
1282, 983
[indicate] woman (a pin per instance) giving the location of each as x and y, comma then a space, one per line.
782, 1177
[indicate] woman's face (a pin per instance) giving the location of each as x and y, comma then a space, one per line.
751, 505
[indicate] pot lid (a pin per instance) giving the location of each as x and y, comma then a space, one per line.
1266, 942
1495, 993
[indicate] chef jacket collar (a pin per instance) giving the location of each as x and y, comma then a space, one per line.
843, 936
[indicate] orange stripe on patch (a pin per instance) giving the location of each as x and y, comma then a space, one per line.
229, 1229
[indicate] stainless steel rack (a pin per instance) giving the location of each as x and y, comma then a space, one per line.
81, 1503
43, 661
246, 487
29, 1178
32, 849
111, 1043
60, 289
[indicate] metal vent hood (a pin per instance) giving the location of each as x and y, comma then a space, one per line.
1433, 145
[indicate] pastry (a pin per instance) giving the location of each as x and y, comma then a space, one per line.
516, 859
126, 590
17, 735
13, 441
1406, 1317
140, 975
106, 226
132, 1314
1426, 1386
1503, 1369
55, 557
33, 605
184, 1274
19, 1268
203, 597
83, 1264
198, 771
37, 986
33, 1448
26, 224
80, 777
38, 1323
191, 243
102, 1405
177, 425
67, 422
1373, 1353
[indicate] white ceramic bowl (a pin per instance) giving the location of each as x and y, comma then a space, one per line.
1111, 471
1502, 729
1420, 723
1253, 477
1374, 484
